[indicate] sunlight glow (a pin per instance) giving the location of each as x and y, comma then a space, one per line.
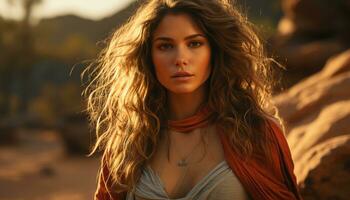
91, 9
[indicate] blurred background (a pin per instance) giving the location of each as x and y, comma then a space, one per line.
46, 44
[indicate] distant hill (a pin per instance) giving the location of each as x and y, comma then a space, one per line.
61, 27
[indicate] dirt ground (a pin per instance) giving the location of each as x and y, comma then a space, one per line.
37, 168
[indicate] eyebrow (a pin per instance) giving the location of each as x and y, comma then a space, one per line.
186, 38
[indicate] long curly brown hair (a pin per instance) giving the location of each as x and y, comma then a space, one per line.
126, 103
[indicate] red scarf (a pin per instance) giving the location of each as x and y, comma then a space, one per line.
260, 180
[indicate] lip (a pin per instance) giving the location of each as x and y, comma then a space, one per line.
181, 74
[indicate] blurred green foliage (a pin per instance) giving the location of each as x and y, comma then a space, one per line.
22, 54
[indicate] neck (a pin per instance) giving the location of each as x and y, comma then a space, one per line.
185, 105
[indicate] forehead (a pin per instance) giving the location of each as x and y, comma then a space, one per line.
175, 25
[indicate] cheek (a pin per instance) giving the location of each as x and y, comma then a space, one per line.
206, 61
159, 66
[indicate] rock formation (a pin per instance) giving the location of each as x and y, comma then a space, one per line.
316, 113
310, 32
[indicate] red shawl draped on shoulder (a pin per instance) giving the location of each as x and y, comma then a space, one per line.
265, 181
261, 180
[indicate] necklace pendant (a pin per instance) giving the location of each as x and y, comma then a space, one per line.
182, 163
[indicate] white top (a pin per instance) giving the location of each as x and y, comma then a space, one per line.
219, 183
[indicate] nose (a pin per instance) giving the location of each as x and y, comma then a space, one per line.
181, 62
181, 59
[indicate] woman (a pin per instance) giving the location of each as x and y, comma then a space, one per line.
179, 103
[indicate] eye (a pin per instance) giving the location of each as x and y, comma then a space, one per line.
195, 44
165, 46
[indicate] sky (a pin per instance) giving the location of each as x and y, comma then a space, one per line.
91, 9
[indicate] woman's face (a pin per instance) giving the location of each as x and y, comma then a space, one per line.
180, 54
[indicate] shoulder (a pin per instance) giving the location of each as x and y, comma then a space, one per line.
105, 184
276, 136
282, 156
275, 123
275, 131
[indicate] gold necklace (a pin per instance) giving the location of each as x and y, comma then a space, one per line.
184, 161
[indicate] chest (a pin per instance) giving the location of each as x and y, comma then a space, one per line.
179, 180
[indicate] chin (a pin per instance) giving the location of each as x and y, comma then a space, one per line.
182, 90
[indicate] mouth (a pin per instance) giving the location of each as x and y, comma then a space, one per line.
182, 78
182, 74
